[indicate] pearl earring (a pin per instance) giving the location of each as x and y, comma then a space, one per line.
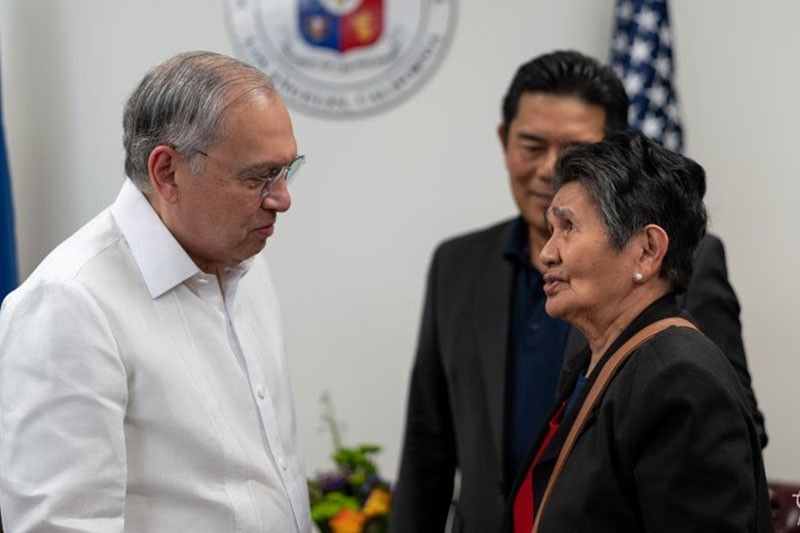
638, 277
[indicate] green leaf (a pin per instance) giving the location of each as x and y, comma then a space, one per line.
331, 504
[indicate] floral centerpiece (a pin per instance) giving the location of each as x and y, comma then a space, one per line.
352, 498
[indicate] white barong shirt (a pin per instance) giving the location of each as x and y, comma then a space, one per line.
137, 395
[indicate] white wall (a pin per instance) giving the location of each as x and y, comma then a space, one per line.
377, 194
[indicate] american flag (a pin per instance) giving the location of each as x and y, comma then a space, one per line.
641, 55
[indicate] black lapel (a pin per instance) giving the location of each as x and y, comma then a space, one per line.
493, 297
576, 343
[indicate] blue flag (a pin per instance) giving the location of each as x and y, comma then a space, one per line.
641, 54
8, 254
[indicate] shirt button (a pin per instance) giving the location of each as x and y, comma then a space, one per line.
261, 392
282, 462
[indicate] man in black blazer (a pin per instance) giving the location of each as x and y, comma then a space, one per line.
489, 360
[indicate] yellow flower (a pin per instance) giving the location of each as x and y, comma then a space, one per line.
347, 521
378, 502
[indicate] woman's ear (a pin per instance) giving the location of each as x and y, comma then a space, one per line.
654, 243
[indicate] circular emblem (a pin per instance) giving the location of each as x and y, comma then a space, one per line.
343, 58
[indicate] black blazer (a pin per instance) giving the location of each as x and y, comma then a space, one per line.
671, 446
456, 402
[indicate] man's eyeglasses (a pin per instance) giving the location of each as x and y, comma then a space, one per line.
287, 172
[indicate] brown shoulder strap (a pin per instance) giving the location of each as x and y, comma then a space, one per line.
595, 393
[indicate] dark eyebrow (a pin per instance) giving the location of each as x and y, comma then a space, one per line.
531, 137
563, 212
559, 212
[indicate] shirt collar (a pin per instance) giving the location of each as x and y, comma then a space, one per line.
232, 276
162, 261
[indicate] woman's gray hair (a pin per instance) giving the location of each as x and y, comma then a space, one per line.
635, 182
181, 103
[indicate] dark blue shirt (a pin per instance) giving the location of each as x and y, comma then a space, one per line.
536, 344
577, 392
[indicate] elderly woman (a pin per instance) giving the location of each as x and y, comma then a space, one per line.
654, 432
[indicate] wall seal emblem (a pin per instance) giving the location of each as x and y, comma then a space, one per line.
343, 58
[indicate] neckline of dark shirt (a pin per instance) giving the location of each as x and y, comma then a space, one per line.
517, 249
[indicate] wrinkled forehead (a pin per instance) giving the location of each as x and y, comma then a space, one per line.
570, 200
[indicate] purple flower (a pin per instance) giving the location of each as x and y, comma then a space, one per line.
332, 481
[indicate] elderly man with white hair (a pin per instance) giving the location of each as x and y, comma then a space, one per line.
143, 385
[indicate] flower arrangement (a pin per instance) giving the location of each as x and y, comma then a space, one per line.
353, 498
